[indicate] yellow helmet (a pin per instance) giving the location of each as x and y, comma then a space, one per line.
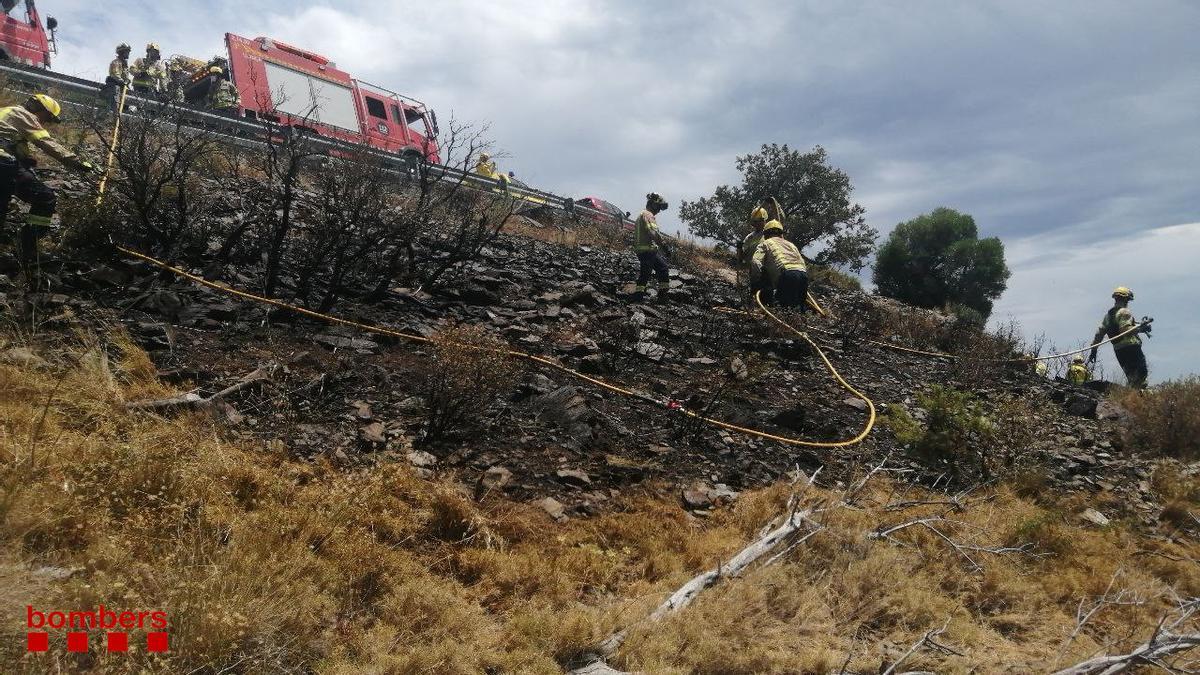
49, 105
152, 46
483, 157
773, 226
758, 214
1078, 358
215, 70
1122, 292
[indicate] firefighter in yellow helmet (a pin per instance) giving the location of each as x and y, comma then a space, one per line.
149, 72
118, 76
758, 218
1127, 348
21, 128
780, 269
1077, 372
223, 96
649, 245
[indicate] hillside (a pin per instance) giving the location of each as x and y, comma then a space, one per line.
329, 499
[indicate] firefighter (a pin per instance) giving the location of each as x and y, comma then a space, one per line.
748, 246
223, 96
1127, 348
487, 168
149, 74
1078, 373
649, 245
779, 268
119, 75
23, 126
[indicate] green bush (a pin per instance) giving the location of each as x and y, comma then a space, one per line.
956, 436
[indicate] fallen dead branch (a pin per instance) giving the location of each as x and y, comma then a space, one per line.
796, 528
963, 549
1163, 642
194, 401
928, 639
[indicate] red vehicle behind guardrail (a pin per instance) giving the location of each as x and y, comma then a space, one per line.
23, 39
298, 88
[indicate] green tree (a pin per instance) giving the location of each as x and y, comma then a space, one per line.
937, 259
815, 198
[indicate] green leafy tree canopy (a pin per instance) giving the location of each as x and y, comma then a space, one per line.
938, 259
814, 195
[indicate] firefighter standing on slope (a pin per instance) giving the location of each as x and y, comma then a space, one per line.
149, 73
223, 96
779, 269
1127, 348
649, 245
119, 75
23, 126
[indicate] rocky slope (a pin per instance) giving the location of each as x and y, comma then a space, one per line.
352, 398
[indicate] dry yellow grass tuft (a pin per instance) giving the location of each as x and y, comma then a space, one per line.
268, 564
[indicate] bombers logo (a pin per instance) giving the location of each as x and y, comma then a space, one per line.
76, 624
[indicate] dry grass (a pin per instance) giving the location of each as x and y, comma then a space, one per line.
1166, 419
266, 564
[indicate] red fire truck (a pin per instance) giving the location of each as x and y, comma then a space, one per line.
23, 39
298, 88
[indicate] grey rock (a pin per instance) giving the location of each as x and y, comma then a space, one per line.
573, 477
373, 433
495, 478
422, 459
856, 403
1095, 517
554, 509
23, 356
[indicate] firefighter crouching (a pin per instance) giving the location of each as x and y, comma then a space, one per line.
649, 246
21, 127
1077, 372
223, 96
779, 269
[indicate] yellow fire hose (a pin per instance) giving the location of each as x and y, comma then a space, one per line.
112, 147
923, 352
671, 405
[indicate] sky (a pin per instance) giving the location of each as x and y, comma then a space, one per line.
1068, 129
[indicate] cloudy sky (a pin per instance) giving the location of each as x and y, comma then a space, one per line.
1068, 129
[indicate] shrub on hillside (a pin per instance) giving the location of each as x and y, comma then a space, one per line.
956, 436
468, 370
1166, 419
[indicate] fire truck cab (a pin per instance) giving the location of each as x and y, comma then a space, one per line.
294, 87
22, 37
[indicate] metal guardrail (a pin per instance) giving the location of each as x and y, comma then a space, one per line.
247, 132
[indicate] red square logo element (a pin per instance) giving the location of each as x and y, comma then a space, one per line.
37, 642
118, 642
77, 642
156, 642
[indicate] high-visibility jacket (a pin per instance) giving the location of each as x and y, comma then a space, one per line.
20, 129
773, 257
118, 71
1117, 321
149, 74
749, 246
1078, 373
224, 95
645, 233
486, 169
